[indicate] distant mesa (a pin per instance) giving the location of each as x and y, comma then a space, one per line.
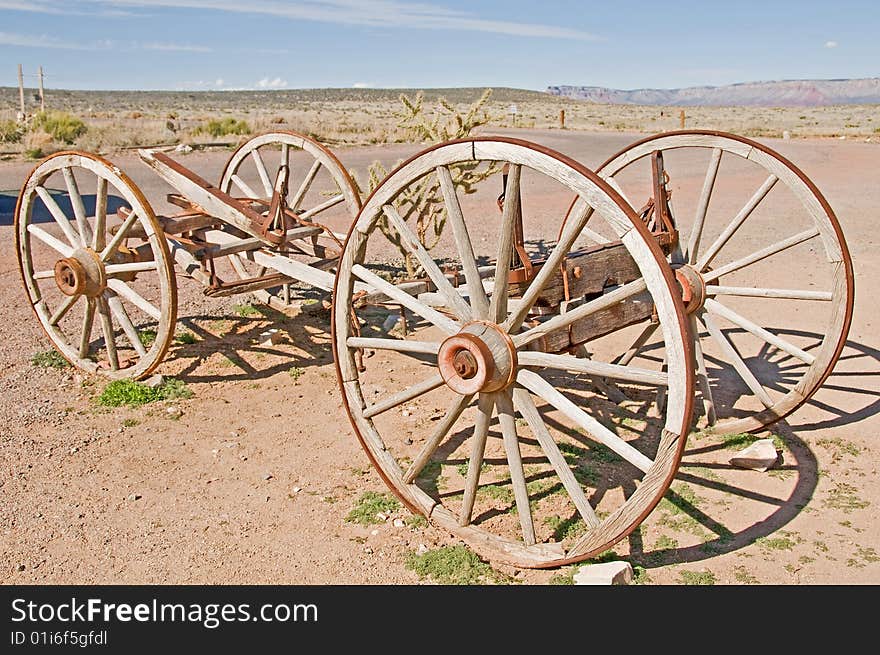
806, 93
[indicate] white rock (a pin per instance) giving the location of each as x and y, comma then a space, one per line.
296, 490
399, 523
422, 549
154, 381
606, 573
760, 456
786, 134
382, 516
270, 337
174, 412
183, 147
374, 532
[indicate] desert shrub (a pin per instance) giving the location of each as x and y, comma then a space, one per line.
134, 394
60, 125
223, 127
10, 131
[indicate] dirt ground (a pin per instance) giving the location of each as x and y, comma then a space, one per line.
252, 483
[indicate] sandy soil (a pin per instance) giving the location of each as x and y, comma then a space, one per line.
253, 482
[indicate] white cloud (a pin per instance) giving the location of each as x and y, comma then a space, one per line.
363, 85
218, 82
61, 8
275, 83
46, 41
174, 47
370, 13
831, 44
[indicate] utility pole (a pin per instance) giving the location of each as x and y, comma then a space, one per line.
21, 91
42, 95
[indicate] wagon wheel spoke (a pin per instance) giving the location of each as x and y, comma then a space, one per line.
510, 213
592, 367
627, 356
405, 396
485, 407
324, 206
79, 210
411, 242
397, 345
702, 375
60, 218
715, 307
515, 465
118, 310
562, 321
736, 361
63, 308
759, 292
98, 236
543, 389
436, 438
244, 187
121, 234
285, 155
573, 227
530, 413
109, 337
763, 253
401, 297
693, 246
297, 199
476, 292
86, 333
125, 291
262, 172
737, 221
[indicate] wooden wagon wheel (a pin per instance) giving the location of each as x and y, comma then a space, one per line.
769, 277
575, 473
321, 192
94, 262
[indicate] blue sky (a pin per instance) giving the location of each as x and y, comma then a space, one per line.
207, 44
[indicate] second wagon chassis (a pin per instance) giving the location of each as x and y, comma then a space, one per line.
560, 344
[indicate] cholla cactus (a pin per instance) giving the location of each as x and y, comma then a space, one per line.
422, 201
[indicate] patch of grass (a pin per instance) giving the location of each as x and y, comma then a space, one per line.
135, 394
60, 125
368, 505
863, 556
463, 468
775, 543
416, 521
602, 453
701, 578
130, 423
845, 497
839, 448
430, 476
640, 575
186, 338
741, 575
682, 495
497, 492
33, 153
454, 565
245, 310
147, 337
665, 542
49, 359
223, 127
705, 473
295, 373
564, 576
565, 528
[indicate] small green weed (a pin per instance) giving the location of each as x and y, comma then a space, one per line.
368, 505
135, 394
416, 522
741, 575
775, 543
564, 576
245, 310
130, 423
845, 497
295, 373
665, 542
463, 468
454, 565
186, 338
702, 578
49, 359
147, 337
565, 528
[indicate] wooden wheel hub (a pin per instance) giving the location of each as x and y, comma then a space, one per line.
82, 273
481, 357
693, 288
